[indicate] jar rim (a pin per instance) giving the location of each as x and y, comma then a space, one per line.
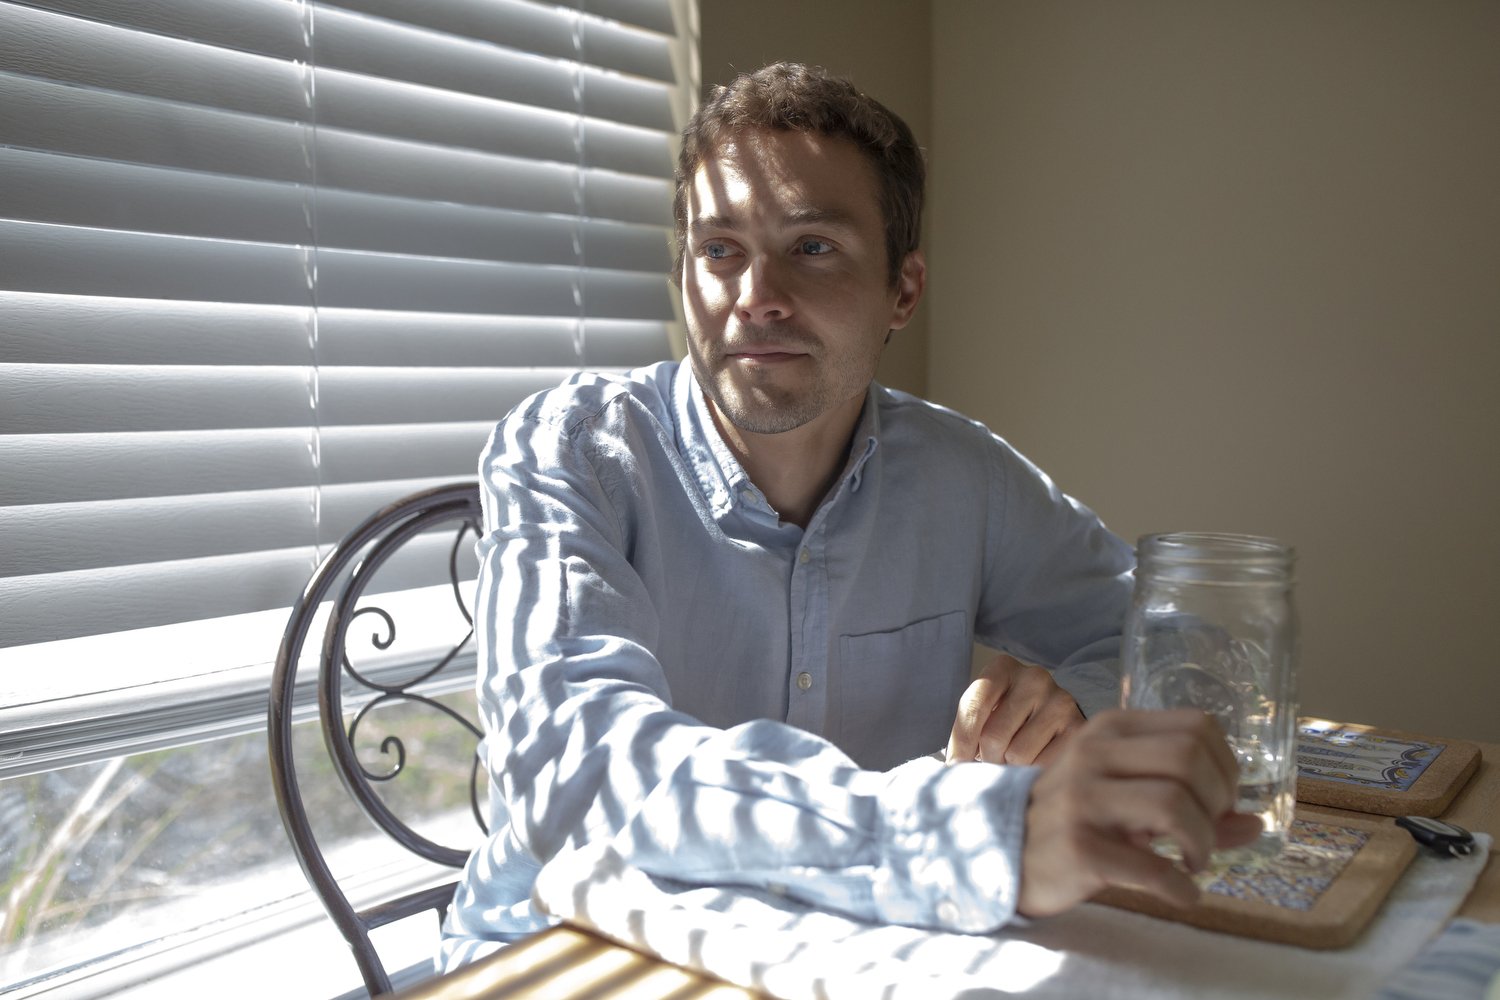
1214, 547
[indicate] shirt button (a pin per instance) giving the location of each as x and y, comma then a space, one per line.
804, 680
804, 556
747, 497
947, 912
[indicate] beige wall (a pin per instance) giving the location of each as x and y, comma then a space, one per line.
1228, 266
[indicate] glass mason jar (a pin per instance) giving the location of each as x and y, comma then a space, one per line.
1212, 627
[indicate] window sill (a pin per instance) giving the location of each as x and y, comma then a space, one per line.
169, 704
287, 948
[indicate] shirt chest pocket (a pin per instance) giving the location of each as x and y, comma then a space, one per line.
898, 689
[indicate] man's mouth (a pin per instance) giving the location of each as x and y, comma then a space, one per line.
764, 354
765, 357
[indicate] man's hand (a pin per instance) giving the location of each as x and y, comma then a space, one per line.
1013, 713
1124, 779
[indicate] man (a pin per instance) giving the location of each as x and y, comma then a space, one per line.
719, 600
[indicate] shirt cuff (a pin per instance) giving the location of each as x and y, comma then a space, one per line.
950, 845
1094, 682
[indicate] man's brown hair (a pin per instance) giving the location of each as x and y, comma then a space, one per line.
807, 99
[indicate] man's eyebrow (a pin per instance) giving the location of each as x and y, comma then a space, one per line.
793, 219
705, 223
818, 217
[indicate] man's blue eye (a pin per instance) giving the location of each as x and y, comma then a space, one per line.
815, 247
715, 251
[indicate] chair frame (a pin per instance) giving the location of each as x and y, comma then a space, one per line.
371, 543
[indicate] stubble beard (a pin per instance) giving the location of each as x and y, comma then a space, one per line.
764, 409
763, 405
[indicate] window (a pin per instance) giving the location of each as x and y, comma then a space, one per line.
264, 266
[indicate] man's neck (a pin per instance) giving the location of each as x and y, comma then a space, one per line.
795, 469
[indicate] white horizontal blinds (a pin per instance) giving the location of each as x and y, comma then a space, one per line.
156, 312
265, 265
493, 209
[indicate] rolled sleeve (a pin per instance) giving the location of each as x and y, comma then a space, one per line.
951, 845
922, 845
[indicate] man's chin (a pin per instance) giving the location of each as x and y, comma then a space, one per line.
758, 412
763, 419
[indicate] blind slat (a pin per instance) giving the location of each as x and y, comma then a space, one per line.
381, 165
62, 468
377, 106
384, 281
197, 463
46, 608
78, 399
548, 31
649, 14
107, 57
354, 455
356, 396
119, 598
60, 538
64, 538
39, 114
270, 27
76, 261
74, 191
367, 337
46, 328
75, 468
349, 221
74, 399
377, 47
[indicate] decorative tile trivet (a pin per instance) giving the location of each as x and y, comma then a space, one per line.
1379, 771
1320, 893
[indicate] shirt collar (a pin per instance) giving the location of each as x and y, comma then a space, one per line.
723, 480
718, 472
866, 437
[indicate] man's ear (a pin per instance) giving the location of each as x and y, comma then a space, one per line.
910, 285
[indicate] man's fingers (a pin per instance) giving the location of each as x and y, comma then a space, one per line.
974, 710
1187, 748
1185, 721
1011, 714
1048, 726
1237, 829
1142, 868
1050, 752
1121, 782
1166, 810
1026, 719
1050, 886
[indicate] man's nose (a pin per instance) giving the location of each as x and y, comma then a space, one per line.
763, 294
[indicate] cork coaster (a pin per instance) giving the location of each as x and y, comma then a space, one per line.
1320, 893
1379, 770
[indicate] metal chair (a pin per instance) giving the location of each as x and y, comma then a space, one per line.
455, 508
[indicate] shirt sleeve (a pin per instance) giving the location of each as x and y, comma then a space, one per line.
584, 743
1057, 581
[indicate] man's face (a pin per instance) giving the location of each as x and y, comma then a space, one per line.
785, 281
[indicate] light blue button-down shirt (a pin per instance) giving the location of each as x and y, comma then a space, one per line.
667, 663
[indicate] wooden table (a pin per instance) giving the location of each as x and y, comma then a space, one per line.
571, 963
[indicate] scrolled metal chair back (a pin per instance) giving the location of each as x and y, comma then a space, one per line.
366, 549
